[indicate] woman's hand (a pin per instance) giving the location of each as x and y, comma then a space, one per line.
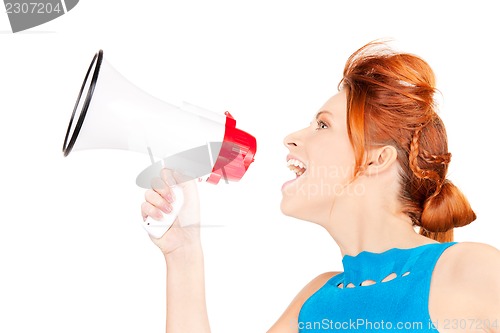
184, 233
186, 305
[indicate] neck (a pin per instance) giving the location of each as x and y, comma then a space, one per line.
369, 224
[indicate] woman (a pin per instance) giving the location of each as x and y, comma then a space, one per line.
370, 168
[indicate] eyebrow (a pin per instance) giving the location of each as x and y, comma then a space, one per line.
322, 112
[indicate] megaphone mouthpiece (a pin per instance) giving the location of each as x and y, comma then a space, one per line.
236, 154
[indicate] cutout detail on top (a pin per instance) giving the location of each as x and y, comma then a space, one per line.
367, 283
390, 277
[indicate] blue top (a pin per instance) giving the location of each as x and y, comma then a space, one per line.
397, 305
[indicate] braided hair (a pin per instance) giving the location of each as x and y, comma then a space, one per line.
391, 101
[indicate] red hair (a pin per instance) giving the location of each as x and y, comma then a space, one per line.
390, 101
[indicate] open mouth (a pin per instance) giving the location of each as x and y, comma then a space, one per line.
296, 166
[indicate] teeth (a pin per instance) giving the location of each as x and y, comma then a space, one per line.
295, 162
296, 166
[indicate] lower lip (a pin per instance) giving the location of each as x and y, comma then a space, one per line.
289, 182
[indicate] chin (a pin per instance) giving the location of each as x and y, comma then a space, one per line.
288, 208
293, 210
284, 208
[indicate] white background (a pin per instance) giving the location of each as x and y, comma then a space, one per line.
73, 257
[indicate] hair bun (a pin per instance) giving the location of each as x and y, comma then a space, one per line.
447, 209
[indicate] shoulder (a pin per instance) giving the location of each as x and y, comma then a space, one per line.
288, 322
468, 271
313, 286
470, 262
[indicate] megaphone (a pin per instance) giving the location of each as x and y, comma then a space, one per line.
112, 113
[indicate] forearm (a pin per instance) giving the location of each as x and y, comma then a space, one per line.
186, 305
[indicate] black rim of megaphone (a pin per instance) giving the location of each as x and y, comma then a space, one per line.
68, 146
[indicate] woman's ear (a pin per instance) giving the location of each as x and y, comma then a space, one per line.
380, 159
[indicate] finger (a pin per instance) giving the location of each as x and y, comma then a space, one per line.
167, 176
158, 201
162, 188
148, 209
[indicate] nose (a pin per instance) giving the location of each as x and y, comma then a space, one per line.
291, 140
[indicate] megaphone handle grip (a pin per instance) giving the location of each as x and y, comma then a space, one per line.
156, 228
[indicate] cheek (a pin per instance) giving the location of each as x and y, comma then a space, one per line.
332, 170
332, 157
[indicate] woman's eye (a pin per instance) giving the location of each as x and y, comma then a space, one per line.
321, 125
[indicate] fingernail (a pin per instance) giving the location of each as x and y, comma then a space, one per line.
168, 208
170, 198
